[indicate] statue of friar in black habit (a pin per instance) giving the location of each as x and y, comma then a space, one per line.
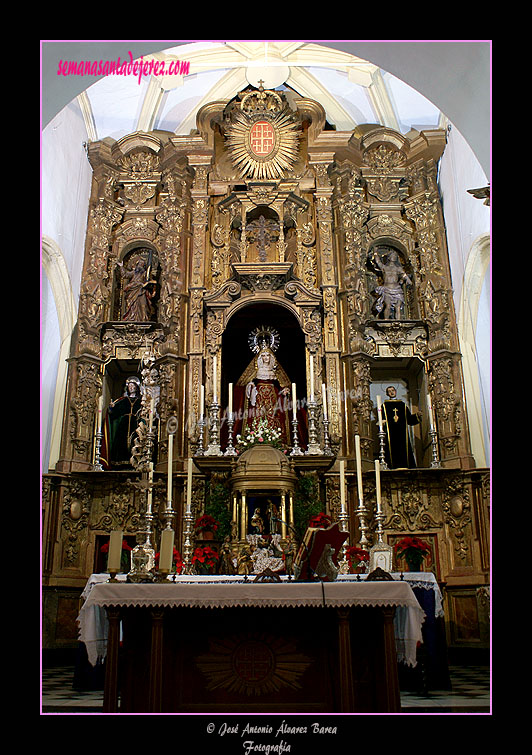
397, 418
122, 420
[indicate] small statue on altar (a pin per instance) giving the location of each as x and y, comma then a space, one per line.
257, 522
244, 560
391, 301
273, 517
227, 565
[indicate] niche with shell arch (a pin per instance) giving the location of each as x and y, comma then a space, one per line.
137, 284
387, 258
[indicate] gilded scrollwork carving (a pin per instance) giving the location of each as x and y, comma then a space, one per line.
412, 507
362, 406
456, 505
76, 509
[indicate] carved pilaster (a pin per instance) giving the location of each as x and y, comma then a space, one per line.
445, 385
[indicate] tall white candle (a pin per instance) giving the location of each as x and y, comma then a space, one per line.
100, 411
150, 488
202, 401
324, 398
230, 399
342, 486
189, 486
214, 380
378, 484
379, 411
166, 551
431, 415
170, 460
359, 467
152, 411
294, 405
312, 377
115, 551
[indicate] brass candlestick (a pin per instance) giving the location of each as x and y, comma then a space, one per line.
313, 445
230, 450
213, 449
296, 450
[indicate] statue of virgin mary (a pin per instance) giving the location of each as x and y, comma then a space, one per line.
263, 392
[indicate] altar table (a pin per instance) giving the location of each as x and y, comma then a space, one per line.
208, 646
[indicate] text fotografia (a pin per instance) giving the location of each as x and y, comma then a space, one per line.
251, 746
138, 68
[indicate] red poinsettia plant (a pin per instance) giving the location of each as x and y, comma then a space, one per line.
206, 523
320, 520
177, 561
205, 558
356, 556
412, 547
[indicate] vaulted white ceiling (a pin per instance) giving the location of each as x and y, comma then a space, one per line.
398, 83
351, 90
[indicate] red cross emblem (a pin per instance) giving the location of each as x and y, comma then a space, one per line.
262, 138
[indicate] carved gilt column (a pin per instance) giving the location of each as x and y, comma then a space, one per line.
329, 287
196, 288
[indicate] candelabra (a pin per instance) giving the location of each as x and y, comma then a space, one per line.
327, 450
98, 450
230, 450
199, 449
296, 450
188, 520
435, 463
313, 445
143, 554
343, 562
361, 514
213, 449
382, 459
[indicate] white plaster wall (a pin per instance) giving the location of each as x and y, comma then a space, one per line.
50, 347
467, 221
466, 218
66, 183
65, 190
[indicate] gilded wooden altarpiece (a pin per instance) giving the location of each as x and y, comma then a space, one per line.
266, 207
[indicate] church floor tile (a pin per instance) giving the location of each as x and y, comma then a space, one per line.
469, 693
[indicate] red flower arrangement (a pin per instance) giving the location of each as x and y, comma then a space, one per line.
413, 550
206, 523
356, 556
177, 561
205, 558
320, 520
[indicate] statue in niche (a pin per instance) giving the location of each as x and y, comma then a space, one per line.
122, 420
397, 418
263, 390
138, 283
386, 263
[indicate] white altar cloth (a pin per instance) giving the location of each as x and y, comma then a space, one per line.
209, 593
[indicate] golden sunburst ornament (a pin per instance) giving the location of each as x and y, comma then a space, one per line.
263, 138
256, 664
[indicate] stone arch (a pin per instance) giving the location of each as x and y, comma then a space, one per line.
56, 271
477, 268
